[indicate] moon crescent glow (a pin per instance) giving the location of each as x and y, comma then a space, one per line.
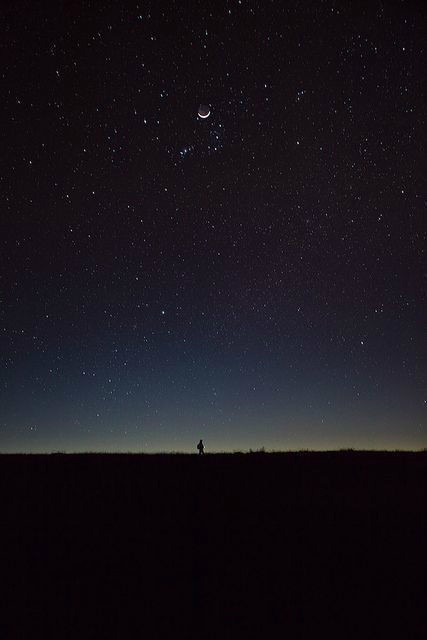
204, 111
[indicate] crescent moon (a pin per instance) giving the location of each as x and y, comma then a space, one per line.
204, 115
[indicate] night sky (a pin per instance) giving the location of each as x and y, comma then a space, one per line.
254, 278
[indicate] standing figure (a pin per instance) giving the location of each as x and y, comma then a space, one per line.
201, 448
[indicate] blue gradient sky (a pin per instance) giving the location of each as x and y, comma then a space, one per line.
254, 278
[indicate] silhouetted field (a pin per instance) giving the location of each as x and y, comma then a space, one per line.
221, 546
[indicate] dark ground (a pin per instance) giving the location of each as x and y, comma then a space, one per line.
307, 545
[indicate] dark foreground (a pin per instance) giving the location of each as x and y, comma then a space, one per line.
263, 545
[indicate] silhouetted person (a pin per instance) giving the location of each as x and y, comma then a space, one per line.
201, 448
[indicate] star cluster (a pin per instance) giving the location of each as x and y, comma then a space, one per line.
255, 278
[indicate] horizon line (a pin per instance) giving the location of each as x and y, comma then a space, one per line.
261, 450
